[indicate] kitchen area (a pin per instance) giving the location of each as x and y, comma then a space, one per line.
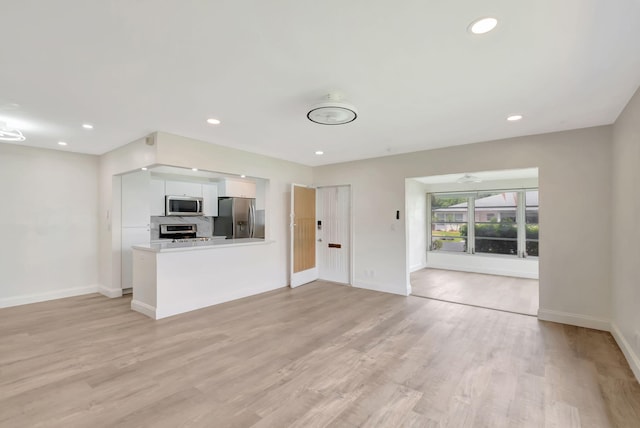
182, 230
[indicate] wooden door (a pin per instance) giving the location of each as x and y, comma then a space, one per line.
303, 235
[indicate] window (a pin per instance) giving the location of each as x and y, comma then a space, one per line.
448, 216
501, 236
532, 227
488, 222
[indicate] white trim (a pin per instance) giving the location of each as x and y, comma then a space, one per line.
488, 271
25, 299
380, 287
627, 350
143, 308
574, 319
417, 267
110, 292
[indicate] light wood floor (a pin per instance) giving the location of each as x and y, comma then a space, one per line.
318, 355
489, 291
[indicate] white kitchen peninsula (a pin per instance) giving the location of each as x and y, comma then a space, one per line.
173, 278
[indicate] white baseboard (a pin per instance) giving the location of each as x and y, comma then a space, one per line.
49, 295
480, 269
574, 319
143, 308
110, 292
417, 267
627, 350
380, 287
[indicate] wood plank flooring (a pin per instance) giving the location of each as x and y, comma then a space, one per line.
318, 355
490, 291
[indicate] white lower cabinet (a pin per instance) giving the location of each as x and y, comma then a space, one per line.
131, 236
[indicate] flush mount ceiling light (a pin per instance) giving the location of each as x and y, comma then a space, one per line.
87, 126
468, 178
333, 111
213, 121
514, 117
10, 134
319, 152
483, 25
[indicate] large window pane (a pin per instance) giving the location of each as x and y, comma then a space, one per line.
448, 219
496, 224
532, 227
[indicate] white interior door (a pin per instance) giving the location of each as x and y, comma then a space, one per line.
304, 268
333, 215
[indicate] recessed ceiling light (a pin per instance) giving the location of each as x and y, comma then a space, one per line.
242, 176
319, 152
483, 25
62, 143
514, 117
87, 126
194, 169
143, 168
213, 121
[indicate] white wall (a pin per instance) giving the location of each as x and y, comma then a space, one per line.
625, 252
574, 167
49, 224
416, 212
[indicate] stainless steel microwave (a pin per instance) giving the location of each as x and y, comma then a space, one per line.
183, 205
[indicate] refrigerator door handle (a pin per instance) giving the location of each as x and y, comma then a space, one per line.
252, 220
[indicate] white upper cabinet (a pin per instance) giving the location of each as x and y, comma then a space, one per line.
183, 188
210, 200
156, 197
135, 199
237, 189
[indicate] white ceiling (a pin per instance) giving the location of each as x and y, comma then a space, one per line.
505, 174
418, 78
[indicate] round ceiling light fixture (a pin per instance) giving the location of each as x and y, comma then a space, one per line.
10, 134
468, 178
483, 25
333, 111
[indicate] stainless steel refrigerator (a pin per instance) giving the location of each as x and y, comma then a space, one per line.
236, 218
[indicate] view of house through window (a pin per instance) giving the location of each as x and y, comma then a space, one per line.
493, 222
448, 218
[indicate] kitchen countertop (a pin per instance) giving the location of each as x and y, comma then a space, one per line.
165, 247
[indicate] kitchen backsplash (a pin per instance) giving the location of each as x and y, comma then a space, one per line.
204, 225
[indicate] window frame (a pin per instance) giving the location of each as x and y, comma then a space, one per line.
521, 221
